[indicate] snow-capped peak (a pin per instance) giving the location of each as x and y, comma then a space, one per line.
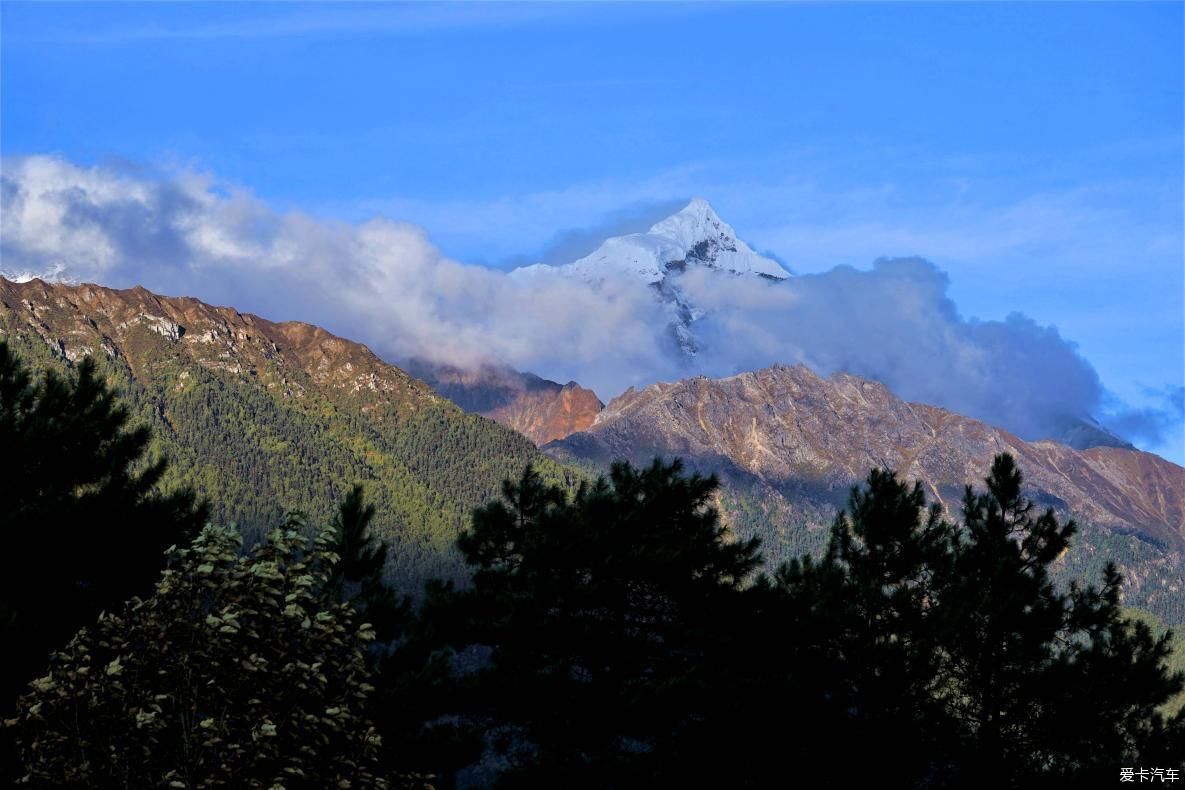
694, 222
693, 236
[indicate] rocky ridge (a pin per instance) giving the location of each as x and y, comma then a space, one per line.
786, 424
540, 409
262, 418
79, 320
789, 444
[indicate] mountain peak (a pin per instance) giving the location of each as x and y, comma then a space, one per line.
695, 222
693, 236
698, 211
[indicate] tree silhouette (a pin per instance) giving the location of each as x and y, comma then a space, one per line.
864, 618
626, 642
359, 576
943, 655
238, 671
362, 555
83, 523
600, 611
1021, 657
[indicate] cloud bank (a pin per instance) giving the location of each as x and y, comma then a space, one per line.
381, 282
1151, 423
384, 283
895, 323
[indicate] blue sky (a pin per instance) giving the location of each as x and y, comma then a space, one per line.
1033, 152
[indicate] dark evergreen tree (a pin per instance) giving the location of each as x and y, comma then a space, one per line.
1108, 689
614, 640
1021, 656
600, 611
1004, 622
946, 656
84, 523
864, 619
361, 575
412, 680
363, 556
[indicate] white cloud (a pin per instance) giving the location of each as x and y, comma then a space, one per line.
384, 283
380, 281
895, 323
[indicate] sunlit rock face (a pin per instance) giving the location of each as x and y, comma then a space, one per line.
795, 431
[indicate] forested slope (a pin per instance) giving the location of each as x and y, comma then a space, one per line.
262, 418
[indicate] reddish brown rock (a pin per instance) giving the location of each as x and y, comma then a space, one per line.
787, 427
542, 410
292, 359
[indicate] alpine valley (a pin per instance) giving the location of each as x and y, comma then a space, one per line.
263, 417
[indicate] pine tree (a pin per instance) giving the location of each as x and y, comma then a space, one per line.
949, 655
1042, 682
360, 575
863, 621
601, 610
84, 523
1107, 692
1003, 619
362, 555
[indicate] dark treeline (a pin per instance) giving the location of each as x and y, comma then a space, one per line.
83, 526
614, 636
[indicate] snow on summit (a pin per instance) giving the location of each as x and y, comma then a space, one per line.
693, 236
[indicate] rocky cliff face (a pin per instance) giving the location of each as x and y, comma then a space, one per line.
786, 424
542, 410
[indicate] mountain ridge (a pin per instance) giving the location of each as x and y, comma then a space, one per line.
944, 426
265, 417
540, 409
790, 444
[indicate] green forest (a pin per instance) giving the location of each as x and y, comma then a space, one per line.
255, 453
607, 632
